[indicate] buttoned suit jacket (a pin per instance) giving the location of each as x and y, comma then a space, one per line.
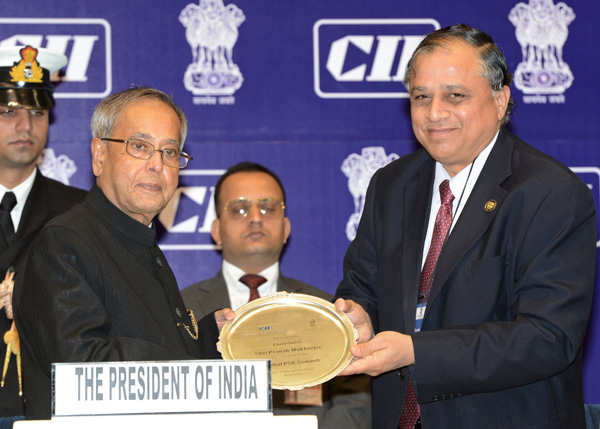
500, 344
346, 400
47, 199
96, 288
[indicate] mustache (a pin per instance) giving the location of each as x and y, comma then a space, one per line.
22, 136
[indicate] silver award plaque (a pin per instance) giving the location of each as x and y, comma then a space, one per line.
307, 339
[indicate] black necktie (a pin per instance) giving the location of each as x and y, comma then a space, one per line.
9, 201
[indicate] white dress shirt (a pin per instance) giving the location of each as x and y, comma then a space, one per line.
239, 293
461, 189
21, 192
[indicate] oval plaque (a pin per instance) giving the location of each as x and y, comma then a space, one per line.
307, 339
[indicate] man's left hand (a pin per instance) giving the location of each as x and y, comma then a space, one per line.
385, 352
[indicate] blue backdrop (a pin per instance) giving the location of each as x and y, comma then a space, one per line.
310, 89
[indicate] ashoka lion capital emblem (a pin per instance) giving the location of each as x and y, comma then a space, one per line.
541, 30
359, 169
212, 31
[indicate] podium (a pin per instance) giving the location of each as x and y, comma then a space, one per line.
249, 420
151, 394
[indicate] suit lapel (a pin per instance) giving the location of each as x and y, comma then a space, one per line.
284, 284
35, 214
474, 219
415, 207
36, 211
215, 295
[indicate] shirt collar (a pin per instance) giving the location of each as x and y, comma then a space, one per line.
238, 292
22, 190
234, 273
120, 220
458, 182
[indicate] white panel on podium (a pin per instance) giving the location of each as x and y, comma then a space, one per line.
164, 394
248, 420
171, 387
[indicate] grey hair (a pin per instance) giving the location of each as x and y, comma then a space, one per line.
108, 111
495, 68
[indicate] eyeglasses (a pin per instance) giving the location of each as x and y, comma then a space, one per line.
269, 208
143, 150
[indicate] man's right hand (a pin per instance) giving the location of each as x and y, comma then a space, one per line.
223, 316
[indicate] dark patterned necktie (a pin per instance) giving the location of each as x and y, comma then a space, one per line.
253, 281
9, 201
440, 231
443, 220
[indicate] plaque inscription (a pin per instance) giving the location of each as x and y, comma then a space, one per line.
307, 339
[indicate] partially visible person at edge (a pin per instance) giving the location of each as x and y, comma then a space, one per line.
251, 230
28, 199
95, 286
471, 275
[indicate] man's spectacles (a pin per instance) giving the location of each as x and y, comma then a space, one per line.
143, 150
269, 208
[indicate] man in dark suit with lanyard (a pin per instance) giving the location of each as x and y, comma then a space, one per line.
472, 272
251, 229
28, 199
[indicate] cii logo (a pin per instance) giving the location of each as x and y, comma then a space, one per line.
190, 213
365, 58
86, 42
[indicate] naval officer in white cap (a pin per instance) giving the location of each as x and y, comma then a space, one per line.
27, 199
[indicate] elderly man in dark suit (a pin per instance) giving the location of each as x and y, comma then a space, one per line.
28, 199
474, 260
251, 229
96, 286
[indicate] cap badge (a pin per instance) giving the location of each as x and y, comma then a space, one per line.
27, 70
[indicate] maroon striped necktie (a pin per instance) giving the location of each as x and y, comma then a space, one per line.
253, 281
440, 231
443, 220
